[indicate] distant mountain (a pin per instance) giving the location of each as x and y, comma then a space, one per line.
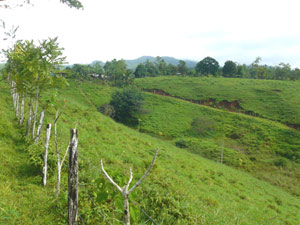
132, 64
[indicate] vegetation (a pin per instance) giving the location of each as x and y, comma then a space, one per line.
127, 105
207, 66
20, 3
194, 189
274, 100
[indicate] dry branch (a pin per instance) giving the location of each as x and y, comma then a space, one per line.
125, 192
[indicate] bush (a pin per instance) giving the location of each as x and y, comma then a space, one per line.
203, 125
128, 105
107, 110
281, 162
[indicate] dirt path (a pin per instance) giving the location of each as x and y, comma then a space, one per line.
86, 97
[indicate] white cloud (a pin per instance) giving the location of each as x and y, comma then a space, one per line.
106, 29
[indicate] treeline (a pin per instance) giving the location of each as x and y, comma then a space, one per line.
210, 66
117, 73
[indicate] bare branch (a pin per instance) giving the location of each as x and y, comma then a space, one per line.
62, 162
109, 178
130, 178
145, 175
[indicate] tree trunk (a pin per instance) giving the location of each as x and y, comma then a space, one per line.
58, 178
17, 105
35, 112
126, 209
29, 118
39, 129
48, 132
73, 179
22, 110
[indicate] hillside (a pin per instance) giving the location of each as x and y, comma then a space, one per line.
195, 190
254, 145
274, 100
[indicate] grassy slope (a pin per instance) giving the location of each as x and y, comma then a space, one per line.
259, 146
276, 100
23, 200
182, 189
251, 144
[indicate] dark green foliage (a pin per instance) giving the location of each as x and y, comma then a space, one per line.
107, 110
117, 73
127, 104
73, 3
140, 71
207, 66
229, 69
182, 69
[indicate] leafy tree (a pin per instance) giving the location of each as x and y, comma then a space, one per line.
117, 72
256, 70
97, 68
181, 67
161, 65
229, 69
127, 104
151, 69
171, 69
207, 66
140, 71
19, 3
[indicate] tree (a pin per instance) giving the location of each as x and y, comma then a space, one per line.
127, 105
19, 3
140, 71
97, 68
258, 71
151, 69
117, 72
181, 67
207, 66
229, 69
161, 65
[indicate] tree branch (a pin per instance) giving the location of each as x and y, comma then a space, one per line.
146, 174
62, 162
109, 178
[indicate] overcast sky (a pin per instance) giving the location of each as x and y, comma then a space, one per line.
238, 30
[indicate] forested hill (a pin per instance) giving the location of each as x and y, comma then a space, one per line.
133, 63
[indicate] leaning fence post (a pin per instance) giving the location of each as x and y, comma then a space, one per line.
73, 179
48, 132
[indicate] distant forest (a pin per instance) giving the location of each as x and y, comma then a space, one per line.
121, 72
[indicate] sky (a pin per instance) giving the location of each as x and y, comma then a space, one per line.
238, 30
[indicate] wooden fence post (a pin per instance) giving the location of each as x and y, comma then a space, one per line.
73, 179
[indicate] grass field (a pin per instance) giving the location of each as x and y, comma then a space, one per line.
255, 145
183, 187
274, 100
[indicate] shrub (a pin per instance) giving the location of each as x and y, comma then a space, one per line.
128, 105
107, 110
203, 125
281, 162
